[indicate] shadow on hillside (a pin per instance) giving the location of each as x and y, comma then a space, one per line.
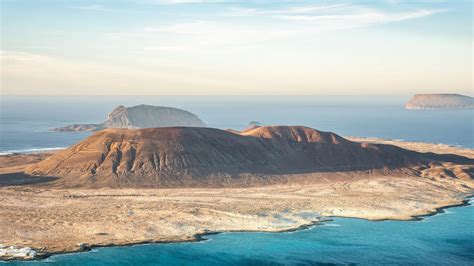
19, 179
449, 158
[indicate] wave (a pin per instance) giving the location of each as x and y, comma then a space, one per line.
330, 225
444, 212
32, 150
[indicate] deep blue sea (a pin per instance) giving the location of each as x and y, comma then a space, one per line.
443, 239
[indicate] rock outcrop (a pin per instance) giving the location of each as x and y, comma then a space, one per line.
440, 101
197, 157
141, 116
80, 127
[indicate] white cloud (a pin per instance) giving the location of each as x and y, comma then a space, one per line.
195, 27
177, 2
166, 48
364, 17
202, 35
293, 22
334, 16
254, 26
93, 7
289, 10
31, 74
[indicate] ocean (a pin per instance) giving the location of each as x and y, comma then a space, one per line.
25, 121
442, 239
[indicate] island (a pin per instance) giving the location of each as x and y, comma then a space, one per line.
157, 185
440, 101
140, 116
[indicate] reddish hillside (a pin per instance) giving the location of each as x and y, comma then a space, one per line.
187, 156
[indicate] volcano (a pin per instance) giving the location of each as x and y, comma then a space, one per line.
194, 156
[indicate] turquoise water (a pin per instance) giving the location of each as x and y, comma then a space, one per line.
444, 239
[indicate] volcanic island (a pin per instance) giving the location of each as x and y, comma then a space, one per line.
123, 186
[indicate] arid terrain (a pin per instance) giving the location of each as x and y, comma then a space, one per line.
178, 157
55, 220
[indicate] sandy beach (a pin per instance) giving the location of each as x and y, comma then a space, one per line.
53, 220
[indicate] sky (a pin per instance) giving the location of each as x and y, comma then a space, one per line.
217, 47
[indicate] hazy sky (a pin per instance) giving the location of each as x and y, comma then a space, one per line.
213, 47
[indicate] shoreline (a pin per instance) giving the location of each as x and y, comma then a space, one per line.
201, 237
197, 238
53, 221
418, 217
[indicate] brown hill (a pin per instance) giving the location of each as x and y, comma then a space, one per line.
187, 156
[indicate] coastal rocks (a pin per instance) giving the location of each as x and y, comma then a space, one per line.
141, 116
440, 101
80, 127
84, 246
14, 252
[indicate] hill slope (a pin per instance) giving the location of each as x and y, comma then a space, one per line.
180, 156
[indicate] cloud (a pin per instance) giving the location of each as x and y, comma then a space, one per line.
335, 16
195, 27
34, 74
93, 7
168, 48
202, 35
248, 27
363, 17
177, 2
289, 10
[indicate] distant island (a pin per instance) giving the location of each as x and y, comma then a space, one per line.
440, 101
140, 116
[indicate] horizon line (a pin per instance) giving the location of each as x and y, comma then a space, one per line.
223, 95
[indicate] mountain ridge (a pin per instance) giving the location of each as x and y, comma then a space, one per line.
193, 156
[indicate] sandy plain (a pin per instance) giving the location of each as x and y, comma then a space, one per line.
53, 220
